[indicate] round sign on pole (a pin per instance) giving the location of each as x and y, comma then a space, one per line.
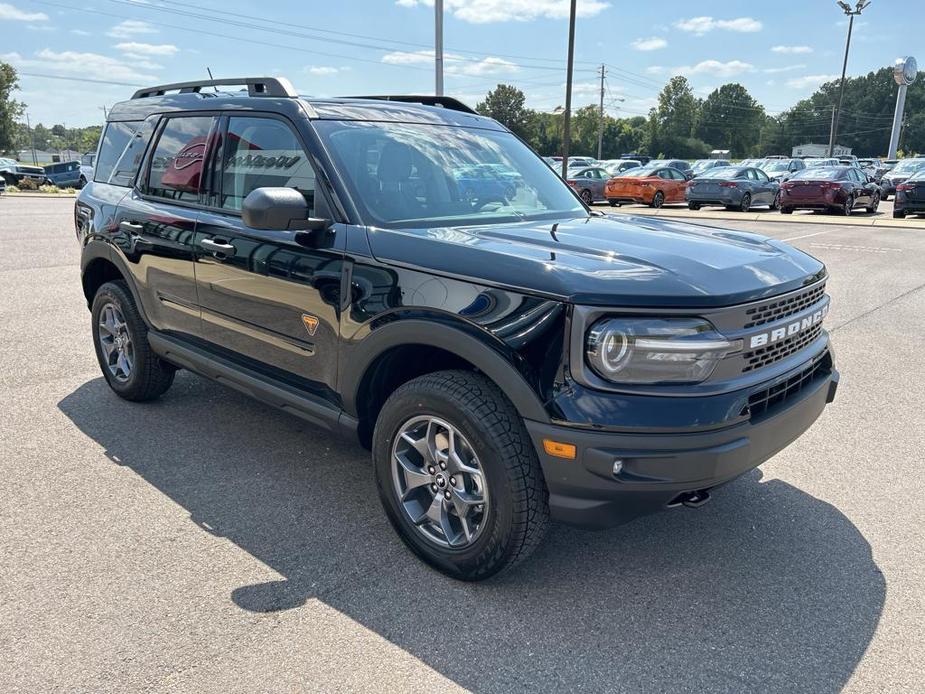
905, 70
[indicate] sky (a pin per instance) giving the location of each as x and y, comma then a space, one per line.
781, 50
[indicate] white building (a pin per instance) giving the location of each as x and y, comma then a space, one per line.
812, 150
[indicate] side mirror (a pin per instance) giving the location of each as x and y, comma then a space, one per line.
278, 209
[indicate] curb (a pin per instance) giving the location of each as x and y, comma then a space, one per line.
775, 217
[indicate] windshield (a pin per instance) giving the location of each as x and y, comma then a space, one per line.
406, 174
909, 166
701, 165
722, 172
776, 166
827, 174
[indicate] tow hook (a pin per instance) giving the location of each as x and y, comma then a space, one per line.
694, 499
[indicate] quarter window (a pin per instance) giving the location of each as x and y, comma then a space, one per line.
263, 153
115, 140
177, 162
123, 173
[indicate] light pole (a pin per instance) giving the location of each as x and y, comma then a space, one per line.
851, 13
904, 72
438, 46
567, 124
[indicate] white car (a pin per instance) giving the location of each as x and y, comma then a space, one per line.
86, 168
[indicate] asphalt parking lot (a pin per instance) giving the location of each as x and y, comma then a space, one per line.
206, 543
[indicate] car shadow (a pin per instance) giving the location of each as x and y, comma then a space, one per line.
764, 589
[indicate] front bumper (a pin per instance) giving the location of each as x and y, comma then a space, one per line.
657, 468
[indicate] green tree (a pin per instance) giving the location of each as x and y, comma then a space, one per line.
677, 109
506, 104
731, 119
10, 109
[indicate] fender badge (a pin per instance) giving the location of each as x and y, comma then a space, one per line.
311, 323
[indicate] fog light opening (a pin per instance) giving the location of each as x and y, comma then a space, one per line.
617, 467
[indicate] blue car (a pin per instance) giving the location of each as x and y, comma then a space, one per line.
486, 183
64, 175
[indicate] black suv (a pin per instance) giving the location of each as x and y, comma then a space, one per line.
507, 354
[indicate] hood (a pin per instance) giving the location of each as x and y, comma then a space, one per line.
608, 261
22, 168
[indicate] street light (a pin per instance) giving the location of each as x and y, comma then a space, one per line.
851, 13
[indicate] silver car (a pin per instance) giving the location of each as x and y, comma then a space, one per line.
589, 183
735, 187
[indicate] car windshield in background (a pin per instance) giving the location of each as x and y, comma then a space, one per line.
721, 172
810, 163
821, 174
773, 166
918, 175
641, 172
701, 165
403, 175
909, 165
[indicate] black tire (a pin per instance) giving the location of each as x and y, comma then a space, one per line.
587, 196
149, 377
81, 182
848, 207
614, 203
658, 199
874, 203
518, 512
693, 206
745, 203
786, 210
899, 214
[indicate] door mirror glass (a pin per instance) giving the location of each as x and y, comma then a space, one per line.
276, 209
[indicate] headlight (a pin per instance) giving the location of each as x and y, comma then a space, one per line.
656, 350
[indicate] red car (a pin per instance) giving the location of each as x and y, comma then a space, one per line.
838, 189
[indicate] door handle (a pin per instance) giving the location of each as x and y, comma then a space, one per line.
131, 227
217, 247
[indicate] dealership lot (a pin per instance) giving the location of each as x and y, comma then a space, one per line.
207, 543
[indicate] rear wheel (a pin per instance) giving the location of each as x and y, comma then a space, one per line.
745, 203
874, 203
899, 214
693, 205
120, 336
658, 199
786, 210
458, 475
775, 205
613, 203
848, 207
587, 197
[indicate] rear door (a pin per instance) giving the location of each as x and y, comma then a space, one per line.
267, 300
157, 222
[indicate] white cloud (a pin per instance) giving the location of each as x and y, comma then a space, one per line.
809, 81
487, 11
702, 25
705, 67
146, 49
80, 32
786, 68
452, 64
322, 70
650, 44
15, 14
791, 50
130, 28
89, 65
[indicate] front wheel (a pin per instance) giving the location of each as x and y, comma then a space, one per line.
120, 337
458, 475
693, 206
775, 204
848, 207
874, 203
658, 199
746, 203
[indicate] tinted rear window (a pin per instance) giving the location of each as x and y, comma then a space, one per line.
112, 146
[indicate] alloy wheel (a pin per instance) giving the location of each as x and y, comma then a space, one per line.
776, 204
439, 482
849, 206
658, 200
746, 203
116, 342
587, 197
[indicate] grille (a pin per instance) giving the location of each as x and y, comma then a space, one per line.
770, 398
775, 310
763, 356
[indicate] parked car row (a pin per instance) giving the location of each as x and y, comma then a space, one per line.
69, 174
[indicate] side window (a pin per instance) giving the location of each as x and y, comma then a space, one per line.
113, 144
176, 165
664, 173
762, 176
263, 153
123, 173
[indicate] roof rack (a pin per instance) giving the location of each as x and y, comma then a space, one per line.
256, 86
447, 102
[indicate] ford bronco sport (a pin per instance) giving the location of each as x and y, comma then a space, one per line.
508, 355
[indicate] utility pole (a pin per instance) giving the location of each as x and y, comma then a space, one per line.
35, 160
600, 125
846, 8
566, 124
832, 132
438, 46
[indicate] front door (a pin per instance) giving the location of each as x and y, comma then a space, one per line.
266, 299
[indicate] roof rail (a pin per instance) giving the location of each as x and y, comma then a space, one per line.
445, 101
256, 86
